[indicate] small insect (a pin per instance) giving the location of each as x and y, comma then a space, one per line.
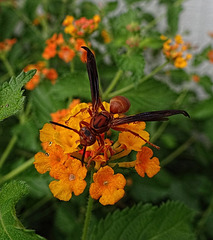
102, 121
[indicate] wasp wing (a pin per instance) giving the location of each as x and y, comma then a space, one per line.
93, 78
148, 116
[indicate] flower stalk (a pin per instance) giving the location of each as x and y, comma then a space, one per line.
7, 65
88, 214
8, 150
178, 151
131, 86
113, 83
17, 170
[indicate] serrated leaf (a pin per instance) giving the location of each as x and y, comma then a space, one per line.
133, 62
10, 227
120, 22
11, 98
172, 220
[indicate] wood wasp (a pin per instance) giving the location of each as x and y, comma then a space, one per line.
102, 120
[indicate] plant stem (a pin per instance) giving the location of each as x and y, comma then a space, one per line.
113, 83
72, 67
178, 151
17, 170
8, 150
131, 86
7, 65
88, 214
205, 217
159, 131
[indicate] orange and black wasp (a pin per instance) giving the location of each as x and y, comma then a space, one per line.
102, 120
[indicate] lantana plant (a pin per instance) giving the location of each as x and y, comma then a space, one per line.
142, 179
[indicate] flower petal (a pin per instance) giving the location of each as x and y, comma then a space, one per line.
146, 164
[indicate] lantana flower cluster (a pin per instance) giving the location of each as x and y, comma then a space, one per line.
134, 39
80, 27
63, 154
42, 72
6, 45
79, 30
66, 51
65, 48
175, 51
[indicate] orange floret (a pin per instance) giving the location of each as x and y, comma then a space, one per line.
66, 53
71, 180
130, 140
146, 164
107, 187
51, 74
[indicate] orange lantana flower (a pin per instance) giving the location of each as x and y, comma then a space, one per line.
6, 45
107, 186
34, 81
53, 160
130, 140
42, 72
71, 180
80, 27
66, 53
195, 78
63, 155
146, 164
210, 56
50, 74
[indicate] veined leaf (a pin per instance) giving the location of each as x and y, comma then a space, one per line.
150, 96
10, 227
11, 98
133, 62
146, 222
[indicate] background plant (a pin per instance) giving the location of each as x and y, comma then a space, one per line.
128, 49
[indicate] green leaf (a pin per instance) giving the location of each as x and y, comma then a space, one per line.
119, 25
173, 13
178, 76
72, 85
202, 56
10, 227
206, 83
133, 62
171, 220
151, 42
203, 109
11, 99
151, 95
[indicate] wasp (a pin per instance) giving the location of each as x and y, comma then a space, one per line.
102, 120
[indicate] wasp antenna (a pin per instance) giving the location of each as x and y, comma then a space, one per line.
185, 113
64, 126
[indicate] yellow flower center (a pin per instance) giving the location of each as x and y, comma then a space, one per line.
71, 177
105, 183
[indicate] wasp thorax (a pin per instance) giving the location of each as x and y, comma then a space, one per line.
119, 104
